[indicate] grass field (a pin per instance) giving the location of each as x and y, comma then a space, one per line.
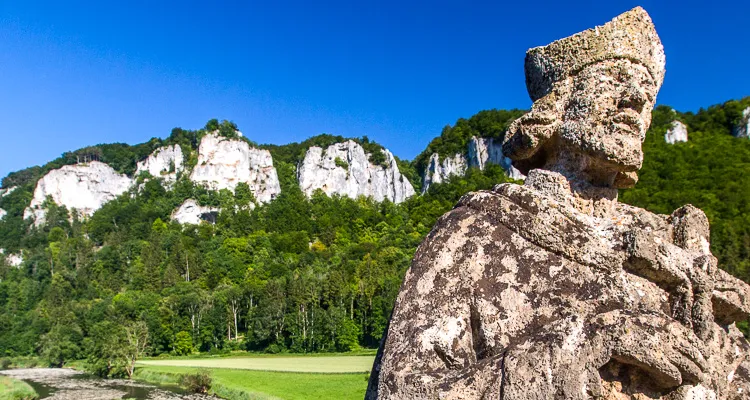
244, 384
326, 364
13, 389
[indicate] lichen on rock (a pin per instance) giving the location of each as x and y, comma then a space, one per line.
345, 169
555, 290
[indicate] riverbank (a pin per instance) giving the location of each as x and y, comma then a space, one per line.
68, 384
14, 389
238, 384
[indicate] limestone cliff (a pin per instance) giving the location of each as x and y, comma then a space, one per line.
677, 132
165, 162
743, 127
223, 163
480, 152
2, 213
345, 169
190, 212
85, 187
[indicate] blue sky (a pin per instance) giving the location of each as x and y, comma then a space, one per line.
79, 73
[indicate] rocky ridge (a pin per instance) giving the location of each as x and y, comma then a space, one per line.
742, 130
223, 163
165, 162
345, 169
677, 132
480, 152
84, 187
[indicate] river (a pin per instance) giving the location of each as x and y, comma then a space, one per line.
68, 384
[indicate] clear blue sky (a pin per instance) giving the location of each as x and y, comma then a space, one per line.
79, 73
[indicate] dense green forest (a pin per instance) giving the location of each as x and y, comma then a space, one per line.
298, 274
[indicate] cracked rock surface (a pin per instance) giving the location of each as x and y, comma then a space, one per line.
85, 187
555, 290
345, 169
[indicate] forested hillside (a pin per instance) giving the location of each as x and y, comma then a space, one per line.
296, 274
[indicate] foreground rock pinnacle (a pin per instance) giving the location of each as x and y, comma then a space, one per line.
554, 289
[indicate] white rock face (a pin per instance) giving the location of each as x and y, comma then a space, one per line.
481, 151
190, 212
164, 162
676, 133
5, 192
14, 260
223, 163
359, 177
743, 128
3, 213
85, 187
437, 172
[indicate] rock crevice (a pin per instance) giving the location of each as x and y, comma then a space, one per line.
479, 153
345, 169
223, 163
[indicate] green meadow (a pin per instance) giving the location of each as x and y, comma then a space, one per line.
230, 382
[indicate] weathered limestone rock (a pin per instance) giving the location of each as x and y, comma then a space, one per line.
14, 260
345, 169
3, 213
480, 152
85, 187
165, 162
676, 133
190, 212
553, 289
6, 191
743, 127
438, 172
223, 163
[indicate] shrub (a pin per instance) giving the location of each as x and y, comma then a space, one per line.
273, 349
184, 344
197, 382
5, 363
341, 163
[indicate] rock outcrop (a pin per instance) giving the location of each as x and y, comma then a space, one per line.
6, 191
553, 289
345, 169
223, 163
165, 162
14, 260
743, 127
480, 152
84, 187
677, 132
3, 193
190, 212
